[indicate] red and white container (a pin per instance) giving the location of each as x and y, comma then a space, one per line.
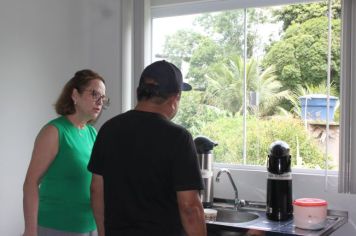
310, 213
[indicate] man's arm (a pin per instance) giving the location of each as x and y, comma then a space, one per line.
97, 202
191, 213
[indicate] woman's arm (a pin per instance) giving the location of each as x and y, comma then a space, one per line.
44, 152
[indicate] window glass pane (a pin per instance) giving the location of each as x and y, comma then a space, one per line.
286, 74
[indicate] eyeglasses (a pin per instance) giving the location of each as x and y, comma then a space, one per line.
96, 96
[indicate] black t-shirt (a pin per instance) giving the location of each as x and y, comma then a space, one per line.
144, 160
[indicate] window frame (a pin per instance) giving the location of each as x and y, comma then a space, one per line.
347, 166
166, 8
169, 8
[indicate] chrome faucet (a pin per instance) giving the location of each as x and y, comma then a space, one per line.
237, 202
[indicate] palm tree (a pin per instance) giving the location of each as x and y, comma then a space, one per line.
270, 92
225, 87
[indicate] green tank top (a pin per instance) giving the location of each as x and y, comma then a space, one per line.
64, 192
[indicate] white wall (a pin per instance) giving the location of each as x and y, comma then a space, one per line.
42, 44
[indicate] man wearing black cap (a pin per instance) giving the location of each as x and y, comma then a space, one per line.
146, 176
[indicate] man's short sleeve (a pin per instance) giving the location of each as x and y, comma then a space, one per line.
186, 171
96, 162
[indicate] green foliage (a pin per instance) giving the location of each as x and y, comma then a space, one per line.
180, 45
227, 29
223, 37
260, 134
225, 87
300, 13
301, 56
297, 62
206, 54
193, 114
270, 93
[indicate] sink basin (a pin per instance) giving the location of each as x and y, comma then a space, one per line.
234, 216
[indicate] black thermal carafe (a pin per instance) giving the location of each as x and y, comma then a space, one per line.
204, 148
279, 183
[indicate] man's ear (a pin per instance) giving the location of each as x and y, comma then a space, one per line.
177, 96
174, 98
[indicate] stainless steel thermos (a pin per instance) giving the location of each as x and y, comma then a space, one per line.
279, 183
204, 148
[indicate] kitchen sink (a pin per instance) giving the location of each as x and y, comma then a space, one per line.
251, 219
234, 216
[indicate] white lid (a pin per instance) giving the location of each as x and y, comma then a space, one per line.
210, 211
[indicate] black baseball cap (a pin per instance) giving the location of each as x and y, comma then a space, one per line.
165, 77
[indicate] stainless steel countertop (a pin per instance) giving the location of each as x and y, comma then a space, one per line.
335, 220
